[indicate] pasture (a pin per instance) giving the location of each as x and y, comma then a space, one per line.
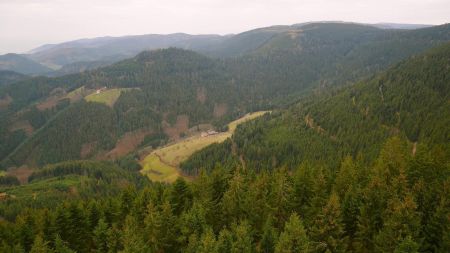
162, 164
107, 97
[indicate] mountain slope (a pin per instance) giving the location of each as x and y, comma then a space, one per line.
409, 100
170, 92
21, 64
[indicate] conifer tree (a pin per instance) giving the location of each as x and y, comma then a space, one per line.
61, 246
293, 238
132, 238
40, 246
224, 241
242, 238
401, 221
180, 196
100, 235
208, 243
302, 188
269, 237
328, 231
407, 245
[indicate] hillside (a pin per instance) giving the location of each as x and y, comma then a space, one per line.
67, 181
191, 89
409, 100
21, 64
176, 90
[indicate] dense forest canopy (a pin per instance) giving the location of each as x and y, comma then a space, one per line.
398, 204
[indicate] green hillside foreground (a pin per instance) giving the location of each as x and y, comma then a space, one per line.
67, 181
399, 204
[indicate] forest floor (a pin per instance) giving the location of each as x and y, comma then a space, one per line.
163, 164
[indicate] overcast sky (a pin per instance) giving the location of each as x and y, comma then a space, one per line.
26, 24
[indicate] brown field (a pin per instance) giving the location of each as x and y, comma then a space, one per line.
201, 95
4, 102
78, 94
181, 126
22, 173
48, 103
24, 125
220, 110
128, 143
86, 149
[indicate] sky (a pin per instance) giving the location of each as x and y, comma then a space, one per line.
26, 24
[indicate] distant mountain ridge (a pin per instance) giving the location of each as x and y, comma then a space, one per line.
104, 48
400, 26
98, 49
21, 64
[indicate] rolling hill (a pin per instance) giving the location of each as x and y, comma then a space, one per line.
47, 120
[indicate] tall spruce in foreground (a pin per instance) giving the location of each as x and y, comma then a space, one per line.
293, 238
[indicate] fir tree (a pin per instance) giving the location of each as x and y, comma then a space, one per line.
293, 238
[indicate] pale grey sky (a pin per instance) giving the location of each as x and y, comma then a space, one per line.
26, 24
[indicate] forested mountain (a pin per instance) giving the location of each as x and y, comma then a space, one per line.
409, 100
21, 64
160, 91
169, 91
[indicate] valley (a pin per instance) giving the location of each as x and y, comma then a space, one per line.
163, 163
314, 137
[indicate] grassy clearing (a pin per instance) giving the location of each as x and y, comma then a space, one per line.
176, 153
107, 97
232, 126
162, 164
157, 170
